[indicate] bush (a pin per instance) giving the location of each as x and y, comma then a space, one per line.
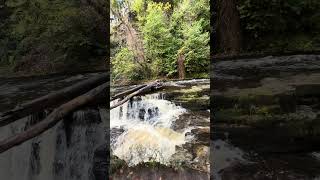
124, 67
275, 24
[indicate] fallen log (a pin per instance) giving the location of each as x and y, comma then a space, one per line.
53, 118
51, 100
147, 88
125, 93
135, 93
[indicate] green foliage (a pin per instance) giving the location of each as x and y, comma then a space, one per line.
123, 66
275, 24
196, 48
172, 28
158, 41
139, 8
190, 24
47, 35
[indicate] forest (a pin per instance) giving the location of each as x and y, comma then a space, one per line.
265, 26
159, 39
45, 36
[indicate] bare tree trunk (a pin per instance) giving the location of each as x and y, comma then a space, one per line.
134, 42
181, 67
132, 37
228, 26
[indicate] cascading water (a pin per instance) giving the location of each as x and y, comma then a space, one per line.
147, 135
64, 152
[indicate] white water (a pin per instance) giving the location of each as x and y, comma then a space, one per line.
148, 134
57, 154
223, 156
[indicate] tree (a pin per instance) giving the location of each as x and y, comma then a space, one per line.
53, 35
121, 11
228, 26
158, 40
175, 36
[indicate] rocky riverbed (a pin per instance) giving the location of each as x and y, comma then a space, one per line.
266, 123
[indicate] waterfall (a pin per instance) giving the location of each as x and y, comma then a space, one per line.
64, 152
146, 133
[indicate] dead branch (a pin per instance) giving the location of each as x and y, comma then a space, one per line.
145, 89
125, 93
53, 118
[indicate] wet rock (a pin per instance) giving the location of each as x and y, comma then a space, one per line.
267, 66
191, 119
202, 135
159, 172
193, 98
193, 155
287, 103
202, 121
35, 158
308, 90
276, 99
142, 113
202, 160
101, 162
182, 157
268, 170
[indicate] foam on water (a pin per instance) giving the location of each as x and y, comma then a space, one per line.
148, 134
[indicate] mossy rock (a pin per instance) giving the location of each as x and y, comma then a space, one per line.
116, 164
152, 165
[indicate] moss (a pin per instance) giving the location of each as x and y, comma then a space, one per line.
193, 98
151, 164
226, 115
193, 89
116, 164
255, 116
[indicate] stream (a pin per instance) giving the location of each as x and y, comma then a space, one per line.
164, 127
